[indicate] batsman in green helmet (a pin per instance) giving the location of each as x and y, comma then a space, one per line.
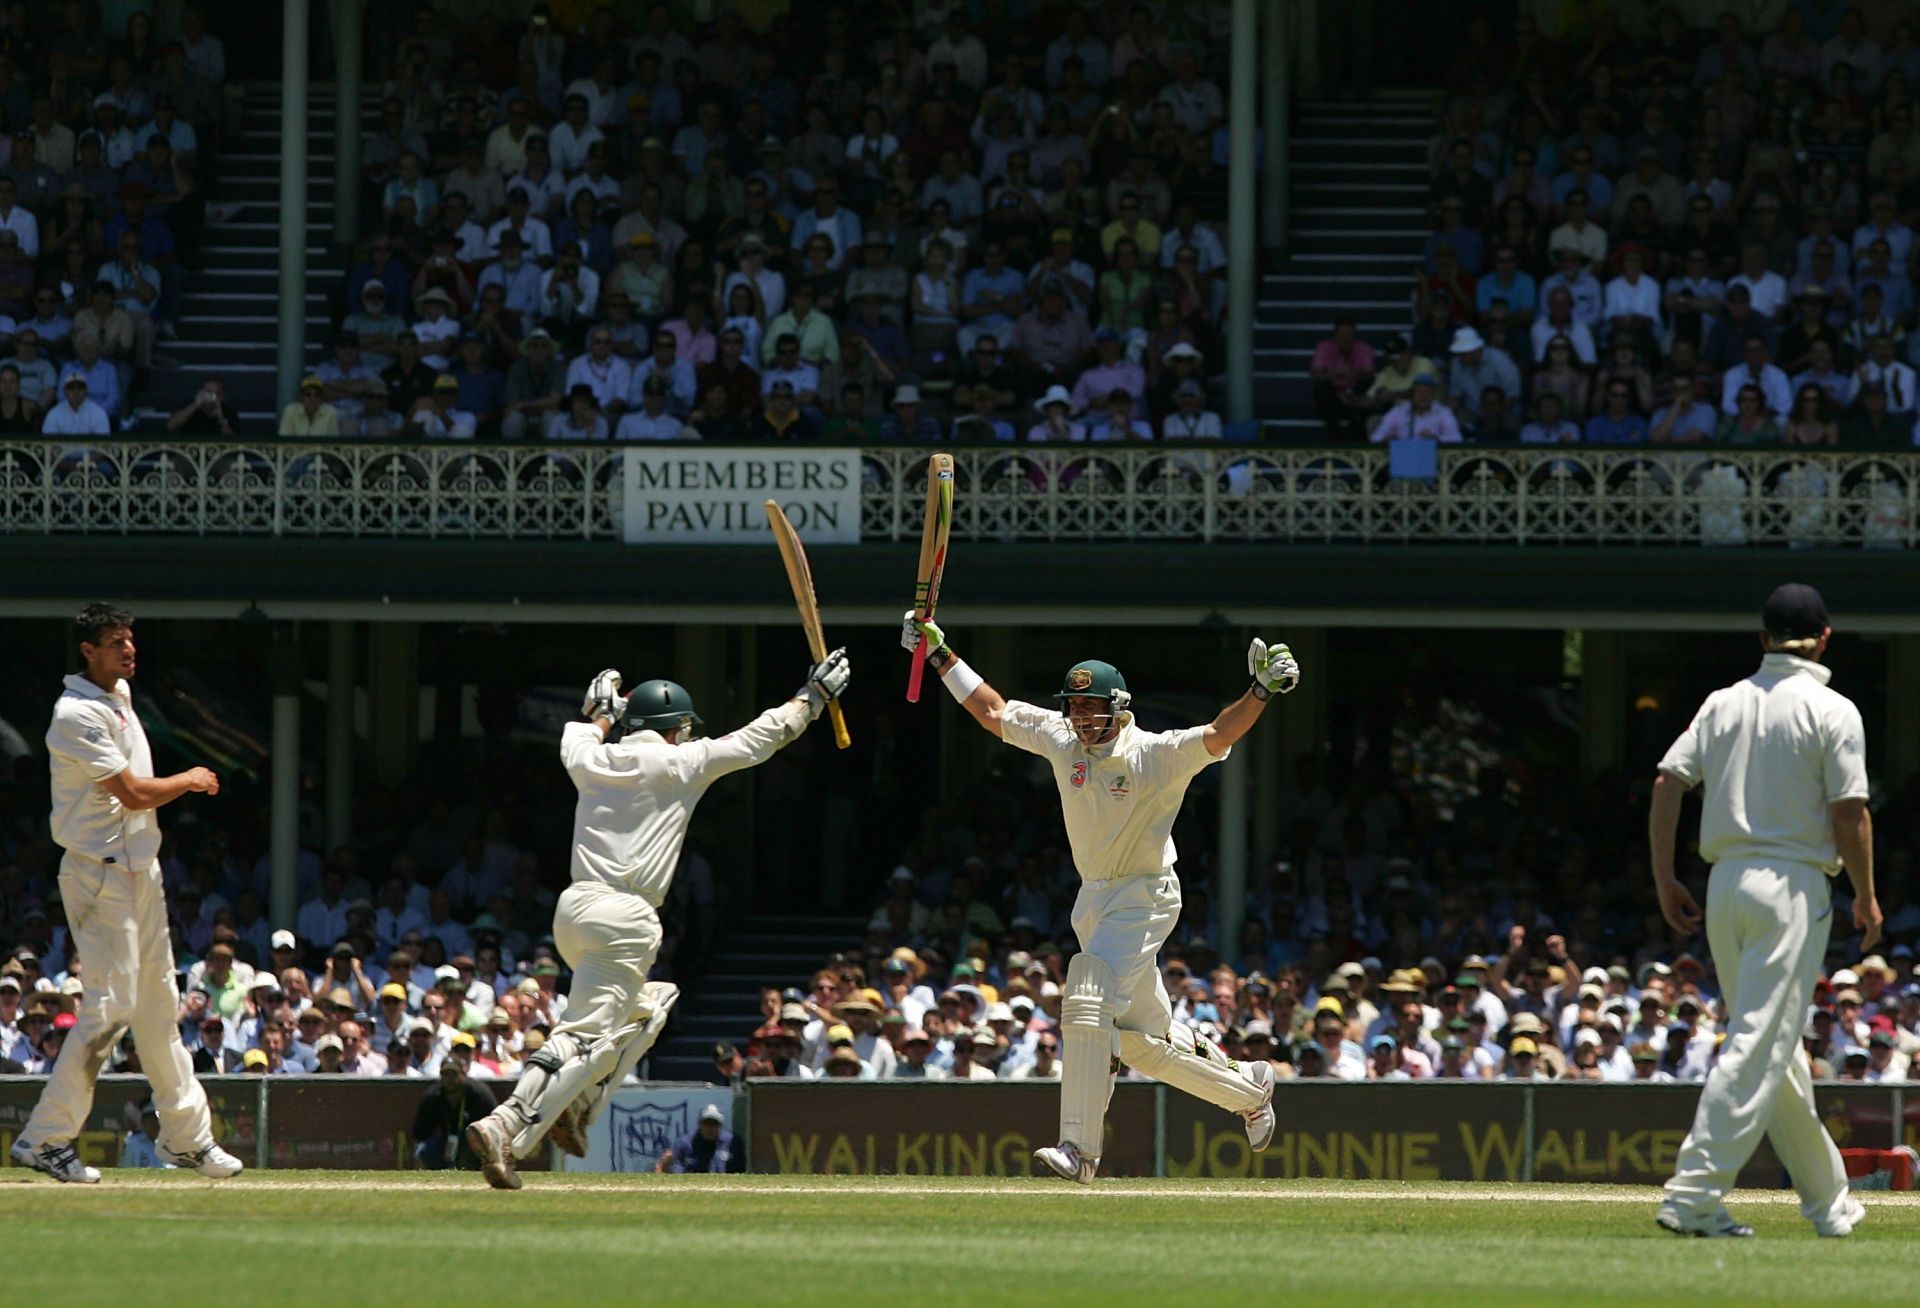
637, 795
1121, 789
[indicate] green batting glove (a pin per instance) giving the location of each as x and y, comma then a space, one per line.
911, 631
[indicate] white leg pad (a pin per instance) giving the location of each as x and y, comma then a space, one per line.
1221, 1083
1086, 1053
590, 1061
657, 999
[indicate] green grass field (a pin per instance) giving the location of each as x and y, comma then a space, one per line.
333, 1237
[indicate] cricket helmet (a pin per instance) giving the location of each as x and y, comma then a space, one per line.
660, 705
1093, 679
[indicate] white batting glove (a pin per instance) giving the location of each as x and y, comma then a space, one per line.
603, 698
826, 681
911, 630
1273, 669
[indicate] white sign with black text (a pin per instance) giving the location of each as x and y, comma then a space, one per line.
715, 496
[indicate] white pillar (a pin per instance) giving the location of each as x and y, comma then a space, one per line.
290, 359
1241, 184
284, 846
340, 735
1274, 39
1230, 901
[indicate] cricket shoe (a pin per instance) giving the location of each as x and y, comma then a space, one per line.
1066, 1161
569, 1130
1841, 1224
492, 1145
1718, 1226
1260, 1122
212, 1162
57, 1160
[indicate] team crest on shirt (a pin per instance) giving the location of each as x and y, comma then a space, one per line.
96, 735
1118, 787
1079, 777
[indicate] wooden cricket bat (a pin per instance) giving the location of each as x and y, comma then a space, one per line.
933, 558
800, 577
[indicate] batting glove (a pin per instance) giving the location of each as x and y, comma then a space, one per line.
911, 630
826, 681
1273, 669
603, 699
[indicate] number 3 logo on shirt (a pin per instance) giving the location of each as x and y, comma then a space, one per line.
1079, 777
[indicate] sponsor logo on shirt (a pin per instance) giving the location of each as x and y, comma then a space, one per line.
1079, 777
1118, 788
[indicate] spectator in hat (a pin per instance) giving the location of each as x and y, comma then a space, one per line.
1885, 1062
535, 385
438, 415
1419, 415
709, 1147
1114, 420
376, 326
346, 375
520, 278
440, 1123
1571, 273
912, 1065
651, 421
907, 421
1056, 418
1476, 366
1111, 371
581, 420
1190, 420
310, 414
76, 414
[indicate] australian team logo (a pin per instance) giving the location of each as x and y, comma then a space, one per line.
1080, 679
1118, 788
1079, 777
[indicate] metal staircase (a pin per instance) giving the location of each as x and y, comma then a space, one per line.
229, 319
1359, 182
724, 1003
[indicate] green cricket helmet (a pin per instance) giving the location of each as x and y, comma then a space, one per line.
660, 705
1093, 679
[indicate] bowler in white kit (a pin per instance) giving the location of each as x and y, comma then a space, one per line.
636, 798
1782, 758
1120, 790
104, 797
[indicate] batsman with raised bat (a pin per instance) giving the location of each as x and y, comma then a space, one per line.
1120, 790
636, 798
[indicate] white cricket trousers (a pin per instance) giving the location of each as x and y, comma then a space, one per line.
609, 938
118, 918
1123, 923
1768, 924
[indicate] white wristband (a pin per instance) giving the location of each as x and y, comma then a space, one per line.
960, 680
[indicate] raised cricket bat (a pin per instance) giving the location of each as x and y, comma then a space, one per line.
800, 577
933, 558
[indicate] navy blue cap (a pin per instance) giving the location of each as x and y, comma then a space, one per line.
1794, 611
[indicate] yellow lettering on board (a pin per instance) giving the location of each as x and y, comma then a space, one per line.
968, 1156
1228, 1155
1480, 1151
794, 1153
1625, 1156
910, 1155
1664, 1150
1360, 1157
1550, 1154
841, 1160
1012, 1155
1195, 1160
1321, 1151
1415, 1163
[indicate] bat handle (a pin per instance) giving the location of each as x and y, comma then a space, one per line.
919, 670
841, 740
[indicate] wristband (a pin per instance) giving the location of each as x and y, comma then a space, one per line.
960, 680
1259, 691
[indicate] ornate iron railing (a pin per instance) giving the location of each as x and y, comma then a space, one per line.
1522, 496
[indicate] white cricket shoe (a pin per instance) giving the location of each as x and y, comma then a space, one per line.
492, 1145
1836, 1227
1717, 1226
1260, 1122
569, 1130
1066, 1161
57, 1160
212, 1162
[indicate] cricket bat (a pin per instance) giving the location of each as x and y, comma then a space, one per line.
800, 577
933, 558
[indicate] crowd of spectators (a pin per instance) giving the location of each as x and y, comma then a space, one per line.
1507, 934
106, 141
896, 222
1649, 233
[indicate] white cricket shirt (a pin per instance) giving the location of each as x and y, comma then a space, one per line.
637, 796
95, 734
1773, 751
1119, 799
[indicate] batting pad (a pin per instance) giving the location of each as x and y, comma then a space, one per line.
1217, 1083
1086, 1053
657, 999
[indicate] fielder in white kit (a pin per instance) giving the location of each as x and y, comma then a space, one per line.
636, 797
104, 795
1783, 760
1120, 790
